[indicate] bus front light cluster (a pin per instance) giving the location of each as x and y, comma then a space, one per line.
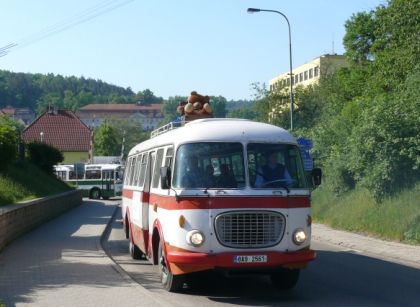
195, 238
299, 236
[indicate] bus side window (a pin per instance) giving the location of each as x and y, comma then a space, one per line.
136, 170
156, 171
143, 167
93, 174
169, 157
127, 171
132, 170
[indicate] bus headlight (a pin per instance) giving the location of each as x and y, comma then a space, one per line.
299, 236
195, 238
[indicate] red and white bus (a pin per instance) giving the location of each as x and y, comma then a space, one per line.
196, 198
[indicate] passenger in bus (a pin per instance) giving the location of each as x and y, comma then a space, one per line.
193, 174
209, 180
273, 174
226, 178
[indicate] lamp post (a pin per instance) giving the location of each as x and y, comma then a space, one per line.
292, 102
42, 136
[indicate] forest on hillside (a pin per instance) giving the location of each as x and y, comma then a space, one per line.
37, 91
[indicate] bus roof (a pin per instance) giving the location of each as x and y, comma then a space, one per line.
219, 129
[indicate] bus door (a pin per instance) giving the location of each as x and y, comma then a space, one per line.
107, 182
145, 199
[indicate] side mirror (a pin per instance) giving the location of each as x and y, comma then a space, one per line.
316, 177
165, 177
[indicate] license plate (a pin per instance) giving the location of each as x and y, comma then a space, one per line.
250, 259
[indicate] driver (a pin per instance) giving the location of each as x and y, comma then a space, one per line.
273, 174
193, 175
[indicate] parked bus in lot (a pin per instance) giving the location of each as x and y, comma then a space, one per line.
225, 194
96, 181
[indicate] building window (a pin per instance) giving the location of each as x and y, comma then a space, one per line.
296, 79
311, 73
306, 75
301, 77
288, 82
271, 87
316, 71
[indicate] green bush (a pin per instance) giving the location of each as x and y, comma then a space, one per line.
44, 156
8, 141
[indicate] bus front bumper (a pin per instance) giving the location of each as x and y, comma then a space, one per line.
182, 262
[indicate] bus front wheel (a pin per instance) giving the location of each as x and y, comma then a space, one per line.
172, 283
285, 279
95, 193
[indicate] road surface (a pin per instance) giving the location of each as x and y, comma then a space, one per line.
338, 277
61, 263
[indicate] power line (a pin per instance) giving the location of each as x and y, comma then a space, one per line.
81, 17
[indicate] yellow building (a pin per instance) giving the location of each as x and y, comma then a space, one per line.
310, 72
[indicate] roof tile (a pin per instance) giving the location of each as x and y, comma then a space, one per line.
61, 129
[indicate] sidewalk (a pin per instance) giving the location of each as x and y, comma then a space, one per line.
385, 250
61, 263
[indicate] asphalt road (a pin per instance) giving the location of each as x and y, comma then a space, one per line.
338, 277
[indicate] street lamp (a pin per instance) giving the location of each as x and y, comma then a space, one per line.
42, 136
292, 101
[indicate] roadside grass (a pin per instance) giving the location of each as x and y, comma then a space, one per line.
24, 181
396, 218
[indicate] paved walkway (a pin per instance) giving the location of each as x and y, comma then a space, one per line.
61, 264
386, 250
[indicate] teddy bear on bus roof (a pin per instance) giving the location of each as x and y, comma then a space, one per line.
196, 104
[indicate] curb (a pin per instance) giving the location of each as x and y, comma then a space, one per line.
126, 276
401, 253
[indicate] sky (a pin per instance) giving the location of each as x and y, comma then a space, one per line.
172, 47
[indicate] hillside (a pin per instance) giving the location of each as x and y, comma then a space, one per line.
37, 91
16, 185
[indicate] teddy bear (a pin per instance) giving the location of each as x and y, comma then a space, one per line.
196, 106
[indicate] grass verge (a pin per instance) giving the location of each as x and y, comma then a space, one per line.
396, 218
24, 181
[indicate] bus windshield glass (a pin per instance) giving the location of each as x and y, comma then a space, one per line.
209, 165
275, 166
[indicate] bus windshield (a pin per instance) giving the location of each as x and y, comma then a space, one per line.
209, 165
275, 166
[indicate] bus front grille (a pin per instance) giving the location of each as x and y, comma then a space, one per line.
249, 229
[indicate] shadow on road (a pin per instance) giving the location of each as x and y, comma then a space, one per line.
335, 278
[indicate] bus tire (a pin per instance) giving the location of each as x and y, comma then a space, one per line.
171, 283
285, 279
95, 193
135, 252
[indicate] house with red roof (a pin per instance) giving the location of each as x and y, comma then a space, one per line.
23, 115
147, 115
63, 130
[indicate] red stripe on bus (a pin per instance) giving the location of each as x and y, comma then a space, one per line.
220, 202
169, 203
127, 193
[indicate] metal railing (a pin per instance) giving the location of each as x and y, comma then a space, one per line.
166, 128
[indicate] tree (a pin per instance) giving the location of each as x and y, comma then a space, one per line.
218, 103
385, 147
169, 109
37, 91
106, 140
360, 36
9, 132
244, 113
147, 97
130, 131
44, 156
